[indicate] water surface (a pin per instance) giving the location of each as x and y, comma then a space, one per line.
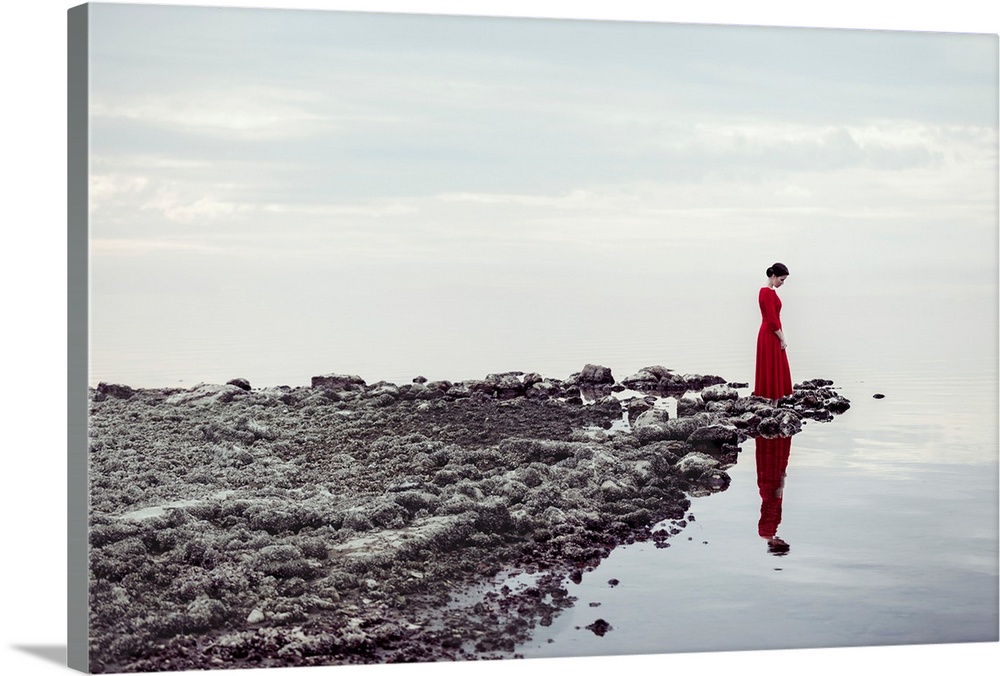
890, 512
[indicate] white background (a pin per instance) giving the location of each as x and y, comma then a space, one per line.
34, 324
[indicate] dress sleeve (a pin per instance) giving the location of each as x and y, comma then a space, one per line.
769, 309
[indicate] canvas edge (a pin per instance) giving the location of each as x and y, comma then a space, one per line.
77, 649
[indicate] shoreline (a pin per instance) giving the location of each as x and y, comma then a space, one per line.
345, 522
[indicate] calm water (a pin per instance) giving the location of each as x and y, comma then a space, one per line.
891, 515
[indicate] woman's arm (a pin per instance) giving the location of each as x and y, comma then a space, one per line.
769, 305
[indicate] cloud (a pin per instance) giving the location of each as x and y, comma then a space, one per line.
107, 189
102, 247
202, 210
495, 134
377, 210
250, 113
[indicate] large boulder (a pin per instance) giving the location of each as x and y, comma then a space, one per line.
338, 382
593, 374
653, 425
506, 385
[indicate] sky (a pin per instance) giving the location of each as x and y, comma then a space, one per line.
302, 172
233, 132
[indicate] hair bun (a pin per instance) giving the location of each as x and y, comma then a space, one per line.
777, 270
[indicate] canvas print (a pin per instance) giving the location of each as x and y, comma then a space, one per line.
427, 338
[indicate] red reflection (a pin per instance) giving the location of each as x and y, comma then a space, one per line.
772, 461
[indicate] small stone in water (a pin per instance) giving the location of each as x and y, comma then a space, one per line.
600, 627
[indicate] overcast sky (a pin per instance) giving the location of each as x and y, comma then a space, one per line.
303, 159
250, 131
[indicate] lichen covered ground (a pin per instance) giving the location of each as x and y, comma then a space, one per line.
348, 523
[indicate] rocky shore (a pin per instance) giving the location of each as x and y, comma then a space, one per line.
348, 523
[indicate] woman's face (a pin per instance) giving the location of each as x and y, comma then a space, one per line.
777, 281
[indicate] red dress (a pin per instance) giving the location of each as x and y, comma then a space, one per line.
773, 378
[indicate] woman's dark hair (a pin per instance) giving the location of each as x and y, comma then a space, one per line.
777, 270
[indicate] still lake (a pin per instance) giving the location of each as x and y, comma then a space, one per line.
890, 510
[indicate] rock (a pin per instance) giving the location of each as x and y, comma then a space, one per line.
542, 390
381, 390
206, 395
648, 378
338, 382
481, 387
697, 381
713, 436
813, 384
837, 404
256, 615
636, 407
688, 406
615, 491
106, 390
703, 474
719, 407
241, 383
652, 416
719, 392
666, 454
752, 404
506, 385
600, 627
459, 391
746, 421
695, 463
783, 423
654, 425
595, 375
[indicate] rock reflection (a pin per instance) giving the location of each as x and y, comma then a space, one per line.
772, 463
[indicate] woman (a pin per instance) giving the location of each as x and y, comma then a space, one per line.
773, 377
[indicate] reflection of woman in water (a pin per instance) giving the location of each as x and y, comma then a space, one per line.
773, 379
772, 461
